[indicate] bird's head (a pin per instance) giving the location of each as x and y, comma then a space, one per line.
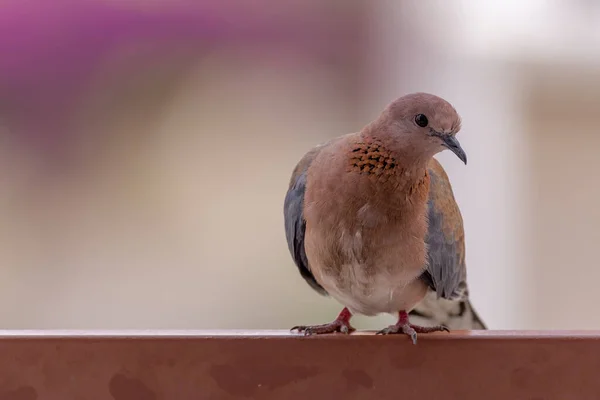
427, 123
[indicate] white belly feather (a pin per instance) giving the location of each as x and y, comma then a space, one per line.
385, 289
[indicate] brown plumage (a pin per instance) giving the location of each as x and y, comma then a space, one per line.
371, 218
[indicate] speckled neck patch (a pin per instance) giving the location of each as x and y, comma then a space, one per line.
372, 159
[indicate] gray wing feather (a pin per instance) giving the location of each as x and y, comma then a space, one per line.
446, 272
295, 228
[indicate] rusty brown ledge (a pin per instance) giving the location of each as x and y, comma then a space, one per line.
156, 365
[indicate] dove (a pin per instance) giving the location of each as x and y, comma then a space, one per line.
371, 219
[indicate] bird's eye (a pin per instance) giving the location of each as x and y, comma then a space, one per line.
421, 120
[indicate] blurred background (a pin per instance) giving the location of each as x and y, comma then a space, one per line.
146, 148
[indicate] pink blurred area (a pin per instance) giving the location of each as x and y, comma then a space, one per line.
55, 56
146, 147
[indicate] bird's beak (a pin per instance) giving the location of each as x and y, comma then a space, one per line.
454, 146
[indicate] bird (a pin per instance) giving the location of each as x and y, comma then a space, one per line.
371, 219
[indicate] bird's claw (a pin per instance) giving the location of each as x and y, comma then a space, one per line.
304, 329
332, 327
412, 330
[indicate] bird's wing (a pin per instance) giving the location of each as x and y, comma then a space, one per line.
293, 213
446, 271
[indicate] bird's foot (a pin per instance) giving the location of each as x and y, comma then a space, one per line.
405, 327
340, 324
332, 327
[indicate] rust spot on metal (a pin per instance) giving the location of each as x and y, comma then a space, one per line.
123, 388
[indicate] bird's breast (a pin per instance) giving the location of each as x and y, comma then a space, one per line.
367, 259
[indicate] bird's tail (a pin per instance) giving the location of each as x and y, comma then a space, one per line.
455, 314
